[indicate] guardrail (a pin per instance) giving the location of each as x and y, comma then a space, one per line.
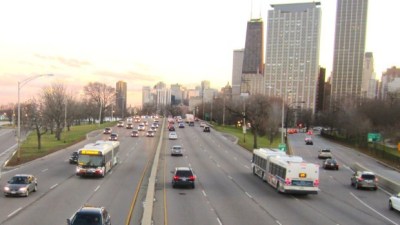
382, 181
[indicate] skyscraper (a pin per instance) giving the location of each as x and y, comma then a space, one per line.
369, 82
292, 52
237, 71
253, 58
121, 93
351, 24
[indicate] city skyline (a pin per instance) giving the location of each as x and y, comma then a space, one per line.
80, 42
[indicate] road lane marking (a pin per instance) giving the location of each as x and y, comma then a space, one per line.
248, 194
44, 170
97, 188
219, 221
204, 193
53, 186
230, 177
15, 212
366, 205
246, 166
235, 158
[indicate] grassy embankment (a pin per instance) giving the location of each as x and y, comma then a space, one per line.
262, 142
29, 148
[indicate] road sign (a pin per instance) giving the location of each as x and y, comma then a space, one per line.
374, 137
282, 147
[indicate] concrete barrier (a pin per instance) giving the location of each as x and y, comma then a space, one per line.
384, 182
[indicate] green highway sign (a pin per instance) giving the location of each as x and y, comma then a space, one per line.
374, 137
282, 147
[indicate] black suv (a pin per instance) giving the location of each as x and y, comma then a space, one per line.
90, 215
73, 159
183, 176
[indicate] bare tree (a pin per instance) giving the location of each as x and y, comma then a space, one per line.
102, 95
256, 112
54, 99
36, 119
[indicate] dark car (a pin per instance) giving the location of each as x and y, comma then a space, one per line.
73, 159
113, 137
330, 164
135, 133
20, 185
364, 179
90, 215
181, 125
107, 130
308, 141
183, 176
206, 129
171, 127
129, 126
191, 124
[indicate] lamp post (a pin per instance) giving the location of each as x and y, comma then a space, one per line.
20, 85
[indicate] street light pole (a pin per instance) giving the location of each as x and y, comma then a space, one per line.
20, 85
287, 115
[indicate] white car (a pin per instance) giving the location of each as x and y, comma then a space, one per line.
172, 136
176, 150
394, 202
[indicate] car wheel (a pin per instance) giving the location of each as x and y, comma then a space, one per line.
375, 188
173, 186
358, 186
27, 193
35, 188
193, 186
254, 170
390, 205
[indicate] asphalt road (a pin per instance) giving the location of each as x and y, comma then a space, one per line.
226, 190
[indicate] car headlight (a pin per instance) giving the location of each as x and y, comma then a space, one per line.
23, 189
6, 189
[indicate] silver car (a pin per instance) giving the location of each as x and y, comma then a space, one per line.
20, 185
176, 150
364, 179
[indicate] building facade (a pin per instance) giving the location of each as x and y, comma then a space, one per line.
390, 84
120, 98
349, 48
292, 52
146, 95
253, 58
237, 71
369, 84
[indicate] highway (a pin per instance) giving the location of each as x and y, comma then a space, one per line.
226, 190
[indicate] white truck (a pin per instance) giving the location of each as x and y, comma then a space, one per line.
189, 118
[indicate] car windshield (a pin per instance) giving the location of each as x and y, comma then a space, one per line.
331, 161
368, 176
177, 147
184, 173
86, 219
19, 180
326, 150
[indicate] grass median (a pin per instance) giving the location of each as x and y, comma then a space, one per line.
29, 148
247, 140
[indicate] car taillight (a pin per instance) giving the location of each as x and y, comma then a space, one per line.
192, 178
176, 178
288, 181
316, 183
360, 179
376, 179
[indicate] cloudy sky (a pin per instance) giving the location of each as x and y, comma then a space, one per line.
143, 42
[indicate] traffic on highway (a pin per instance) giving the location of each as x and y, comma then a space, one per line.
202, 177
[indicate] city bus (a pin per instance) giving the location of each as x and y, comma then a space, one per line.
286, 173
97, 159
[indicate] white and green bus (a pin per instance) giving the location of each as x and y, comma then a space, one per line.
97, 159
285, 173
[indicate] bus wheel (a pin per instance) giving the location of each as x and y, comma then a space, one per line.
254, 170
278, 187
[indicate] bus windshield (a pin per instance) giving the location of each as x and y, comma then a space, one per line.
90, 161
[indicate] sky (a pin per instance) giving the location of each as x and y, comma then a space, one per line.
144, 42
